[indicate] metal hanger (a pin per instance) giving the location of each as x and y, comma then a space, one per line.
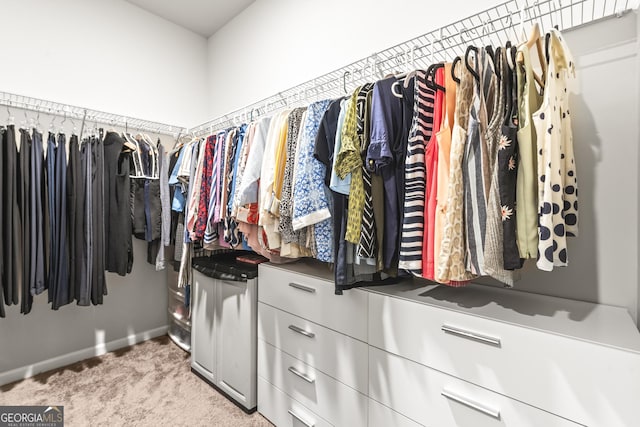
10, 119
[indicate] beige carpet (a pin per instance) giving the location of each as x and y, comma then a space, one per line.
149, 384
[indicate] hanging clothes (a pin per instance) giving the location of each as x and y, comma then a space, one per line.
349, 162
366, 249
477, 168
11, 218
508, 160
327, 143
242, 165
411, 241
205, 187
248, 194
117, 183
443, 138
2, 260
76, 193
293, 242
232, 234
493, 249
386, 133
37, 230
272, 162
98, 281
451, 267
211, 234
431, 181
557, 192
165, 206
311, 206
53, 215
63, 294
24, 206
529, 100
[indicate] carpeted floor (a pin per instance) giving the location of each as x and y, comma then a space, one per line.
149, 384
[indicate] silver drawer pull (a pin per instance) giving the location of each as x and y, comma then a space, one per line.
303, 288
495, 413
471, 335
305, 377
301, 331
299, 418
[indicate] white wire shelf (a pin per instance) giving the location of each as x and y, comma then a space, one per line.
507, 21
81, 116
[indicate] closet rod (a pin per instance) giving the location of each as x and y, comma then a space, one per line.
507, 21
13, 101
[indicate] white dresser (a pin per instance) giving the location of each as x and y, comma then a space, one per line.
411, 355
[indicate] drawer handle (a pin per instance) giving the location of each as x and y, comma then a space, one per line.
494, 413
305, 377
301, 331
471, 335
299, 418
303, 288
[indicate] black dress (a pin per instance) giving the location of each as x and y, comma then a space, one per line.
118, 244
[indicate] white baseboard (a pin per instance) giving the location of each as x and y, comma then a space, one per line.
76, 356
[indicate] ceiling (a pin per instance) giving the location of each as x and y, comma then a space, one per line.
204, 17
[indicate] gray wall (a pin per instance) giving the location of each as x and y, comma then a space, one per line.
603, 259
136, 303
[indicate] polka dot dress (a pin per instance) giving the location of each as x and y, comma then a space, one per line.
557, 179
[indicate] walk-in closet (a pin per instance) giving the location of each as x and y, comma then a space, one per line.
320, 213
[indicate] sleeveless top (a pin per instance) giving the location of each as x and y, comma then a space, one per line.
444, 153
431, 163
413, 218
450, 263
476, 170
508, 171
526, 185
557, 180
493, 249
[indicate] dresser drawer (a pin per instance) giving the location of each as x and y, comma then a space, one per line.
282, 410
381, 416
439, 400
582, 381
314, 299
337, 355
330, 399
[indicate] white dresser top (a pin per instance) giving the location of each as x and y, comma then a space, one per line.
597, 323
307, 267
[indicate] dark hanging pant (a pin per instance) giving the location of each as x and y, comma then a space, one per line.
76, 218
10, 224
63, 294
83, 284
24, 205
52, 273
99, 288
37, 273
2, 202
